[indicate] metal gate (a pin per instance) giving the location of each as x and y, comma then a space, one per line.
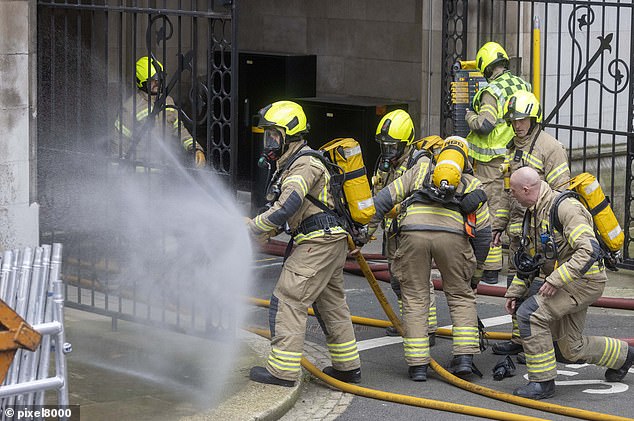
579, 56
87, 50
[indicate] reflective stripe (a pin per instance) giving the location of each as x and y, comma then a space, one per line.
482, 216
488, 151
488, 108
300, 238
399, 189
188, 143
261, 223
323, 195
556, 172
515, 332
142, 114
420, 177
285, 360
517, 281
515, 228
474, 184
502, 213
343, 352
466, 336
594, 269
299, 180
494, 256
431, 317
577, 232
541, 363
416, 347
611, 352
565, 275
126, 132
429, 210
537, 163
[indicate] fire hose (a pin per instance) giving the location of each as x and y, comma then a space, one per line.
381, 273
471, 387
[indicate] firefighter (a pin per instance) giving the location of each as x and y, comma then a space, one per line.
395, 135
530, 147
570, 262
313, 273
137, 135
442, 213
489, 133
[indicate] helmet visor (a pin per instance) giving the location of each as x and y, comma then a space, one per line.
273, 139
391, 150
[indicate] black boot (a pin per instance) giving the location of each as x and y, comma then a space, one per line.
490, 276
613, 375
461, 365
262, 375
418, 373
507, 348
536, 390
521, 358
391, 331
350, 376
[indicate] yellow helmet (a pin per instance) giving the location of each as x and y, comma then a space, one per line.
489, 54
395, 126
522, 104
287, 115
145, 70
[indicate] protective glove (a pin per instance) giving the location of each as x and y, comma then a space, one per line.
200, 159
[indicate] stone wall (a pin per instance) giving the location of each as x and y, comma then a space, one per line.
366, 48
18, 210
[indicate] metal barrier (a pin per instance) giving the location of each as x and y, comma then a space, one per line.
580, 57
30, 283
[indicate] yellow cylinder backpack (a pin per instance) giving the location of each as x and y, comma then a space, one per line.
587, 189
346, 153
450, 163
592, 196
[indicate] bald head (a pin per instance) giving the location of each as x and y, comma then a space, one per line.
525, 185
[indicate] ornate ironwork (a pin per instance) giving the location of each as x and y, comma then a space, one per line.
454, 44
86, 56
605, 68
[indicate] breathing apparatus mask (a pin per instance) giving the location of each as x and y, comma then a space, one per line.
528, 266
273, 146
389, 152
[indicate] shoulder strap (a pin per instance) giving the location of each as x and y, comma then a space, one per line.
554, 210
416, 155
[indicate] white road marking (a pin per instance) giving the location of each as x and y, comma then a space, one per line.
390, 340
491, 321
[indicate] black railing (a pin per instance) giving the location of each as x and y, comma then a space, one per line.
91, 163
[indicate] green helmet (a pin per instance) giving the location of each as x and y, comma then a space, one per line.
522, 104
489, 55
146, 68
287, 115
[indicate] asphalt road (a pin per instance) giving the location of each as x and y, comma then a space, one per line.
384, 367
